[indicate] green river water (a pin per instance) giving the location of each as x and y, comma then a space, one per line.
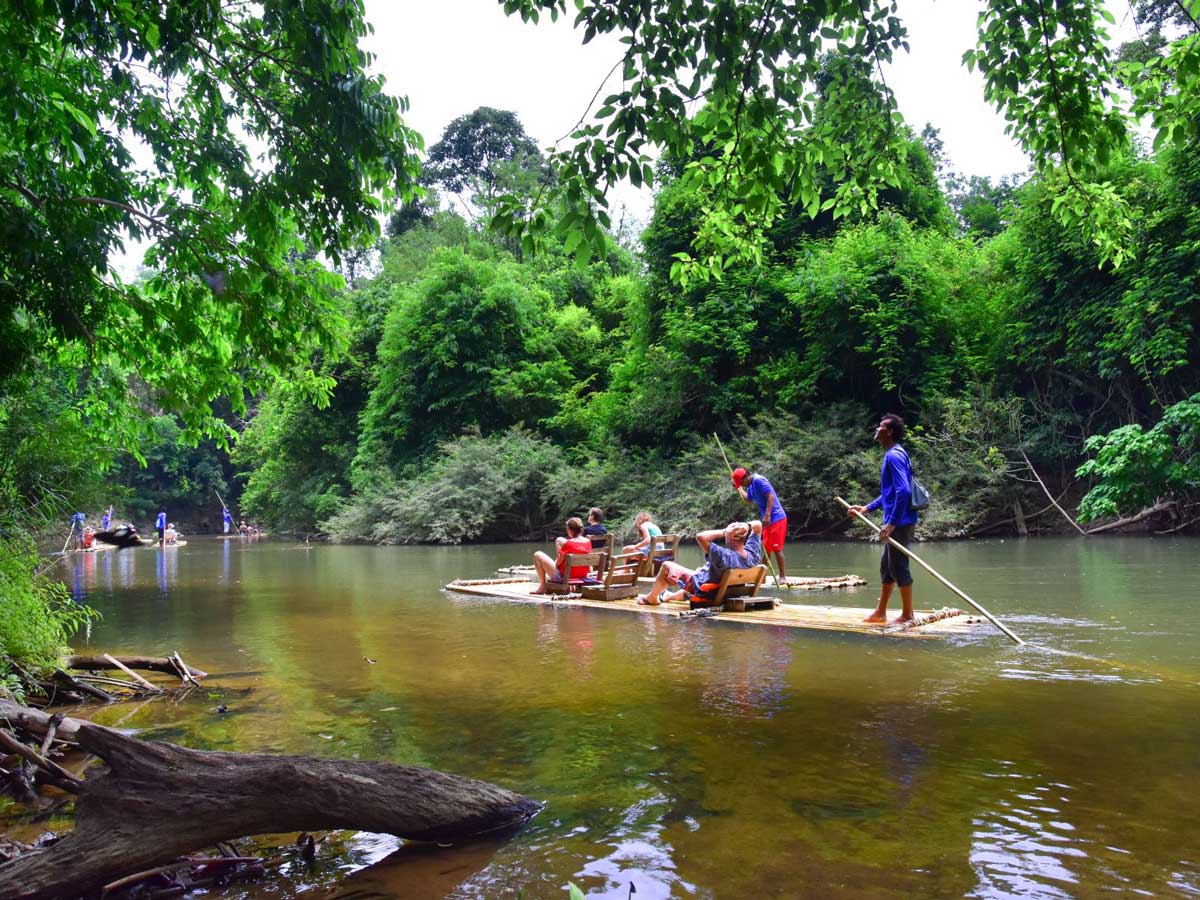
694, 758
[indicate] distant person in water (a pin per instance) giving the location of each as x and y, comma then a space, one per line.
595, 526
555, 570
899, 519
742, 550
761, 493
160, 525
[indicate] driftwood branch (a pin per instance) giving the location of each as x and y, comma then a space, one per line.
1049, 496
1132, 520
146, 663
159, 801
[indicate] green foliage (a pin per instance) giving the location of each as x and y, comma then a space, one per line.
483, 154
37, 615
232, 299
475, 488
175, 475
1134, 467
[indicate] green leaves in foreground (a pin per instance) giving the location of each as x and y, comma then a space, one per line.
1135, 467
237, 140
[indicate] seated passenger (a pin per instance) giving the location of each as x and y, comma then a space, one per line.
594, 526
742, 550
89, 535
647, 532
172, 535
554, 570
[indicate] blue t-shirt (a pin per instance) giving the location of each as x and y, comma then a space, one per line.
106, 520
161, 521
721, 558
226, 516
895, 489
758, 490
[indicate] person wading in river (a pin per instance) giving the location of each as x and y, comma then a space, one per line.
899, 518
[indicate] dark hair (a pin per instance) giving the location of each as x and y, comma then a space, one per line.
597, 513
574, 526
895, 426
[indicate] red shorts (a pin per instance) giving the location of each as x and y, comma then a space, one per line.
774, 535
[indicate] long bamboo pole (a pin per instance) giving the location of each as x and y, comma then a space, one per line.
934, 572
68, 540
766, 554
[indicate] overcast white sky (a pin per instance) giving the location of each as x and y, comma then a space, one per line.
453, 56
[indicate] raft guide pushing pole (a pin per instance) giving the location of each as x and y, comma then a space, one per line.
934, 572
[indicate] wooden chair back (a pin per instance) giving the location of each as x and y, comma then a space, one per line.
664, 548
620, 578
594, 560
603, 543
739, 586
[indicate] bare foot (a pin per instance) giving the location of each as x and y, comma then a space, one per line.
876, 619
902, 619
646, 601
538, 591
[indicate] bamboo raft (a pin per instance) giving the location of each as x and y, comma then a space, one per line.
791, 582
929, 623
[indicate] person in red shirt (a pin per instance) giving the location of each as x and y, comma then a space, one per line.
553, 569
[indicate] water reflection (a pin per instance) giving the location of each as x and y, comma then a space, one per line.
1025, 846
701, 758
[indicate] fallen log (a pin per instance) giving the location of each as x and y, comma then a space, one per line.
158, 801
146, 663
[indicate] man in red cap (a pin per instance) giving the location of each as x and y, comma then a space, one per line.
756, 488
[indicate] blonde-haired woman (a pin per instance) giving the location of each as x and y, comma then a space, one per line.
647, 531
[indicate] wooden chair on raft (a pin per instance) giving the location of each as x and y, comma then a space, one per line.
667, 547
594, 561
620, 578
603, 543
737, 591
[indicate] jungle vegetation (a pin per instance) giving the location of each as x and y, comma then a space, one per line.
384, 369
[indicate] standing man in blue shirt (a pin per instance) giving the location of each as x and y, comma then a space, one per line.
160, 524
757, 490
899, 518
226, 518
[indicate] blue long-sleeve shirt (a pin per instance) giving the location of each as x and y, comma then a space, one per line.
895, 489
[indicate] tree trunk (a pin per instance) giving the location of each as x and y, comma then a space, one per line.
1019, 518
147, 663
158, 801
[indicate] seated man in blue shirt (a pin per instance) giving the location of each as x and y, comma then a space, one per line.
899, 519
742, 550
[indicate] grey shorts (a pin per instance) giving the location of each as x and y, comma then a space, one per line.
893, 565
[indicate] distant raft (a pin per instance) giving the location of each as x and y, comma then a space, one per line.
929, 623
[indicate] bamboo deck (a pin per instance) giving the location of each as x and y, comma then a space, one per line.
930, 623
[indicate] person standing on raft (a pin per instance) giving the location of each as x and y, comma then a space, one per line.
226, 518
160, 525
756, 488
899, 519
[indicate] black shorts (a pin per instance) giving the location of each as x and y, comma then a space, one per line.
893, 565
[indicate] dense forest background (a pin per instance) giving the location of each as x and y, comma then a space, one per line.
811, 263
488, 395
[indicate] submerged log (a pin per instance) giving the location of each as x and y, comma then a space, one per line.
162, 664
158, 801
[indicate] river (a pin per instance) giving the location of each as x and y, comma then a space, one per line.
693, 758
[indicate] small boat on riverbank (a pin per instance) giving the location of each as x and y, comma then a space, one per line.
929, 623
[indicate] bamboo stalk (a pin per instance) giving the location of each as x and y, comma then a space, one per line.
766, 555
936, 574
68, 540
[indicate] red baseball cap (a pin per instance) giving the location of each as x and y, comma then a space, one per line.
739, 475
